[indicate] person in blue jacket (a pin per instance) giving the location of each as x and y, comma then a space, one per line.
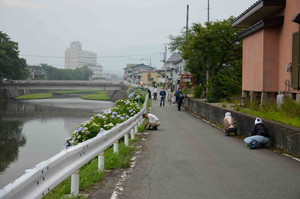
177, 94
163, 95
180, 101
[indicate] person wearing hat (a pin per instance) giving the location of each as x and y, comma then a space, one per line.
259, 136
229, 124
153, 121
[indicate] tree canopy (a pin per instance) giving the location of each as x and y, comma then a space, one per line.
48, 72
214, 47
11, 66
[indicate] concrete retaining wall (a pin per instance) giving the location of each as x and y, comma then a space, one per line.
283, 136
13, 93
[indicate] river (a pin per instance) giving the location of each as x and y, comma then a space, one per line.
32, 131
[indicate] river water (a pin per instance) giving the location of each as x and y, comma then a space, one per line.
32, 131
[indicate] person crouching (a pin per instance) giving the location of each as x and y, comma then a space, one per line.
153, 121
229, 124
259, 136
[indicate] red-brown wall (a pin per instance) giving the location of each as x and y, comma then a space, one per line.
267, 52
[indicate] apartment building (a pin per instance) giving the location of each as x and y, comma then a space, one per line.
75, 57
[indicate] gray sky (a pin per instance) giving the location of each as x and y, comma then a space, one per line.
119, 31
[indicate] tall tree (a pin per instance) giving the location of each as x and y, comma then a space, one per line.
214, 47
11, 66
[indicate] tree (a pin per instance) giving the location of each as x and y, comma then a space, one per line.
45, 71
83, 73
11, 66
214, 47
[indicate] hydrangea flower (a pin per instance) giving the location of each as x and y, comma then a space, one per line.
100, 123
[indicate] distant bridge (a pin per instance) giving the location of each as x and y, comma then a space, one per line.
16, 88
61, 85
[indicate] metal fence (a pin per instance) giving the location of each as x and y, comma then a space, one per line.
45, 176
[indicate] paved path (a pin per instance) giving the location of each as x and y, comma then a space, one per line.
188, 158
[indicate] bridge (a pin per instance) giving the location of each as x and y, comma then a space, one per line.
61, 85
16, 88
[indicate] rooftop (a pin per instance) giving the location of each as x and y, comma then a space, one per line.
257, 12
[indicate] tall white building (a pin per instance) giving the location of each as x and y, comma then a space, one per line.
75, 57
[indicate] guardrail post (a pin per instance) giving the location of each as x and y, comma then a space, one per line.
132, 134
75, 183
101, 161
116, 147
136, 129
126, 141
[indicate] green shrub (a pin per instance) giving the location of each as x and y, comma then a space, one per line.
197, 91
290, 107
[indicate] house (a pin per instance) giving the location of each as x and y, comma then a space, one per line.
271, 47
132, 72
149, 77
177, 65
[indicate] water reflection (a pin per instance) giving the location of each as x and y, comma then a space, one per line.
10, 140
35, 130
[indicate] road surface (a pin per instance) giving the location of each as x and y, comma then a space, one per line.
189, 158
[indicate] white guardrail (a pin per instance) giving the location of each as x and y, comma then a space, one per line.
45, 176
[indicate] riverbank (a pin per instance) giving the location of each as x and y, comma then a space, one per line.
38, 128
92, 95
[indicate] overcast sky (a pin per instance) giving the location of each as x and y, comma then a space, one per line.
119, 31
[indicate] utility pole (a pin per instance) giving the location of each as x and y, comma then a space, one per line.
208, 11
207, 72
165, 63
187, 22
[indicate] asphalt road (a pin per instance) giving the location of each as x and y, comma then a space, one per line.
188, 158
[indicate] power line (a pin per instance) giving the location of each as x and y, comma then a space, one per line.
98, 57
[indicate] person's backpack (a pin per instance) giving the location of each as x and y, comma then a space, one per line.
254, 144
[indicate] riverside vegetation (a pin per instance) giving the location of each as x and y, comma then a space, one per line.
89, 174
94, 95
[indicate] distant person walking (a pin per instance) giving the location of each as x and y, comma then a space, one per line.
162, 94
171, 95
149, 93
177, 94
155, 93
229, 124
259, 136
180, 101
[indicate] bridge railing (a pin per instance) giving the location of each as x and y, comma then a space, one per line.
45, 176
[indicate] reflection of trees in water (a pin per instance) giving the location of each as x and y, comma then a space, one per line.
20, 111
10, 141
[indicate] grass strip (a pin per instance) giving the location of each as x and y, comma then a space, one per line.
89, 173
72, 91
96, 95
35, 96
276, 116
100, 95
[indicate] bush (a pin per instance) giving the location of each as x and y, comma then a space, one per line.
100, 123
225, 84
290, 107
197, 91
